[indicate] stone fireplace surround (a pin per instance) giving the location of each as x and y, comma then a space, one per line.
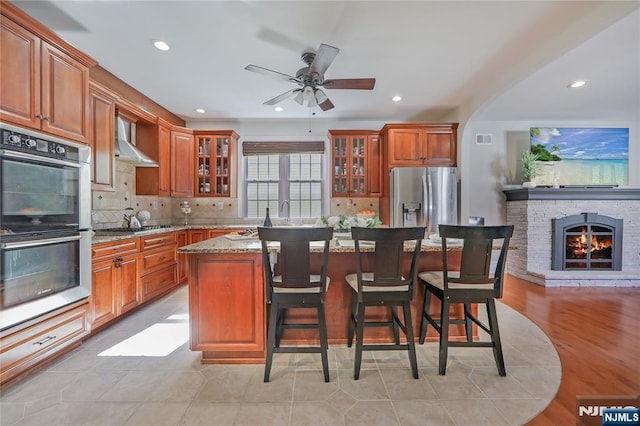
531, 211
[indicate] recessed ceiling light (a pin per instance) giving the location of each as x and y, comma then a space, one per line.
161, 45
200, 110
278, 109
577, 83
396, 98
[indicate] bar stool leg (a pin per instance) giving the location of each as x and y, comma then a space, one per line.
271, 338
359, 341
444, 337
495, 336
425, 312
396, 329
324, 344
352, 318
406, 307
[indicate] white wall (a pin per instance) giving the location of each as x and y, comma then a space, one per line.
485, 168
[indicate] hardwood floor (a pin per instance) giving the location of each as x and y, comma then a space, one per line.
596, 332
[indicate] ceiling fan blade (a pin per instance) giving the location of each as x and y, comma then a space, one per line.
323, 101
272, 73
282, 97
326, 105
350, 83
324, 57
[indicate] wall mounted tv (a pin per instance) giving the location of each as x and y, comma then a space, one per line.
581, 156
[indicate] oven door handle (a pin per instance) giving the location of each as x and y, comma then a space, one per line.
39, 159
36, 243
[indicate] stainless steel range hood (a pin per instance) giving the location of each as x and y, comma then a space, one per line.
125, 150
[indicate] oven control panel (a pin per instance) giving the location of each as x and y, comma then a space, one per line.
27, 143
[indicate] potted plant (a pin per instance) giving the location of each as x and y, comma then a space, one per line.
530, 168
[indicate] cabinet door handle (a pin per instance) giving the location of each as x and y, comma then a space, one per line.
46, 119
39, 117
45, 340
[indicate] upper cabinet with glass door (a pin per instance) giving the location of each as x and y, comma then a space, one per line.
215, 174
355, 163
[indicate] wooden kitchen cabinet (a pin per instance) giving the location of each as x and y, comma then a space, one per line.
114, 280
355, 163
215, 166
182, 239
24, 346
181, 162
45, 81
155, 141
101, 137
226, 307
158, 259
420, 144
197, 235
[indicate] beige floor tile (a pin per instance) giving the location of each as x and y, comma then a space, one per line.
422, 413
10, 412
372, 413
157, 414
208, 413
278, 389
520, 411
495, 386
84, 413
225, 383
341, 401
368, 387
474, 412
91, 386
263, 414
308, 414
401, 385
310, 386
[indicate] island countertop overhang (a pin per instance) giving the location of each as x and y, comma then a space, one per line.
225, 245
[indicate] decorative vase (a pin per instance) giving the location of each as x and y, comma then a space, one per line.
528, 184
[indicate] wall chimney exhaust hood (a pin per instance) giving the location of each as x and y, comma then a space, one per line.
125, 150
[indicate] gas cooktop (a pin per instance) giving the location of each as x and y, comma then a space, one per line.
127, 231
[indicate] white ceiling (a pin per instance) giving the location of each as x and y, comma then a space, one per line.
439, 56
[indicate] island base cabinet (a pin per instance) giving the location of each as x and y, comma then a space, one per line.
226, 308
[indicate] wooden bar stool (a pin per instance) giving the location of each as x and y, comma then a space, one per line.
476, 282
295, 287
383, 284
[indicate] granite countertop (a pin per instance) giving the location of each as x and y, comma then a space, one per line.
99, 239
252, 245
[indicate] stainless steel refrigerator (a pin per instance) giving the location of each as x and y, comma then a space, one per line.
424, 196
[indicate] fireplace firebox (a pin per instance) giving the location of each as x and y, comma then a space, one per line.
587, 241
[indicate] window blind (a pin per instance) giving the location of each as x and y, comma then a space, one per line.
279, 147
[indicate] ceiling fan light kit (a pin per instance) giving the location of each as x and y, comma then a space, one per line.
310, 79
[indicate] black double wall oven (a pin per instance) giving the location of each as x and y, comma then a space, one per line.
45, 224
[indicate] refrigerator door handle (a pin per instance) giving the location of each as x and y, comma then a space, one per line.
427, 204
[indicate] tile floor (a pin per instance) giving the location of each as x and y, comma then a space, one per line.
103, 384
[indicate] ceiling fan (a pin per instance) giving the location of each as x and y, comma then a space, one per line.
311, 79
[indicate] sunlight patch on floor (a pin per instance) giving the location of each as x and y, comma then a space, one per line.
158, 340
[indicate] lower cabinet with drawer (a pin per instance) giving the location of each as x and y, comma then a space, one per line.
22, 347
159, 266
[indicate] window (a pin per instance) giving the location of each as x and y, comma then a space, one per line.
289, 184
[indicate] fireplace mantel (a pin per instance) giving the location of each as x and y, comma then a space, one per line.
573, 193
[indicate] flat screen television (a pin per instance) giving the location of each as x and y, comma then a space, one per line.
581, 156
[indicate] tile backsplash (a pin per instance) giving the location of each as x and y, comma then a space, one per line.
109, 207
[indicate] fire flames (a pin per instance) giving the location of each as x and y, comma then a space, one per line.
577, 247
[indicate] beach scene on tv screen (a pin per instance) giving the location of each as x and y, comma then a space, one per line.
581, 156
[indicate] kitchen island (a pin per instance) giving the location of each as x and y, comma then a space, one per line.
227, 310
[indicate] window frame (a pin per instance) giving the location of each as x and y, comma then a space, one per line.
283, 186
